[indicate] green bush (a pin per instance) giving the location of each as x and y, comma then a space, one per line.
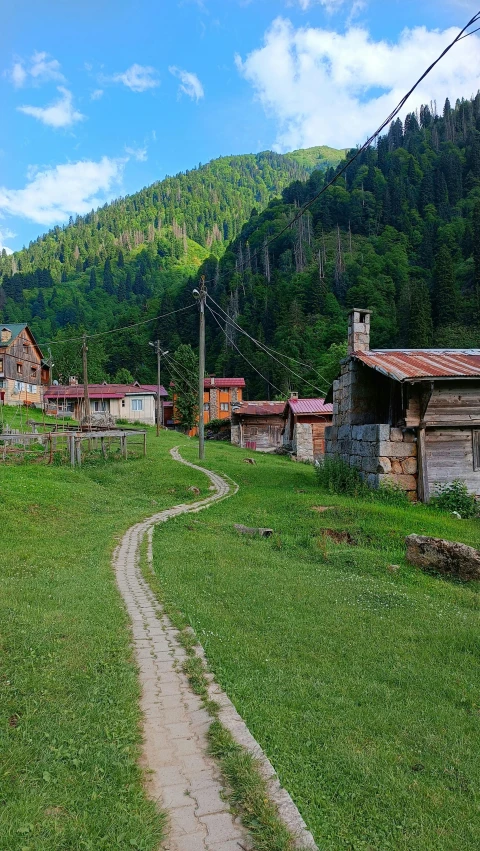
454, 496
337, 476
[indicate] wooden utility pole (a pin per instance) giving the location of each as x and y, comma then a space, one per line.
85, 382
159, 410
201, 295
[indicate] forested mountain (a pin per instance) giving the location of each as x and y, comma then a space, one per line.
398, 233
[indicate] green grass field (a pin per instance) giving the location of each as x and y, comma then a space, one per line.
360, 680
68, 687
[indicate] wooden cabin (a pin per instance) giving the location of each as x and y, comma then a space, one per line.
24, 374
305, 423
407, 416
257, 425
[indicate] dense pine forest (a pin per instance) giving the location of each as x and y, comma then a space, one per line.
398, 233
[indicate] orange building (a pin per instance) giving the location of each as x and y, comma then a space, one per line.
218, 397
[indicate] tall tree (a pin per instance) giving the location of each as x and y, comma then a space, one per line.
446, 294
185, 377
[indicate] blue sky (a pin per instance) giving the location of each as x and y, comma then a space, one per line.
100, 98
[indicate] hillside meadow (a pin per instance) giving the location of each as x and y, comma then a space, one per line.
356, 673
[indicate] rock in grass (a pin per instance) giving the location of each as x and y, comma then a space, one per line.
447, 557
251, 530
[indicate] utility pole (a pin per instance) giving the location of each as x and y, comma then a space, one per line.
88, 415
201, 296
159, 411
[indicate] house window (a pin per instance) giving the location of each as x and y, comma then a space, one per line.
137, 404
99, 405
18, 386
224, 406
206, 406
25, 349
1, 364
123, 403
32, 388
34, 372
476, 448
3, 383
19, 368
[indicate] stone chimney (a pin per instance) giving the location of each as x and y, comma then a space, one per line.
73, 381
5, 335
212, 380
358, 331
293, 394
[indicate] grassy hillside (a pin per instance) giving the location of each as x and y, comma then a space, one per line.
69, 736
357, 673
318, 158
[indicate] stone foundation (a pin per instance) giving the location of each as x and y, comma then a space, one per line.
303, 441
382, 454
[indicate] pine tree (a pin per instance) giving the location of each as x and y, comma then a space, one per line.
445, 289
184, 376
420, 334
108, 282
93, 279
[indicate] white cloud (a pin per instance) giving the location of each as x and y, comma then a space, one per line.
189, 83
61, 113
6, 233
18, 75
139, 154
330, 5
52, 195
138, 78
324, 87
97, 94
40, 68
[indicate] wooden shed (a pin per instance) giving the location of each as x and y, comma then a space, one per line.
258, 425
407, 416
305, 424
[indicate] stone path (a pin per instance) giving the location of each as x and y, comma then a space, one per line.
181, 776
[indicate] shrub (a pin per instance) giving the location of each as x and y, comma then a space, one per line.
337, 476
454, 496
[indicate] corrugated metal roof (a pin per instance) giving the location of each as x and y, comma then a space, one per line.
101, 391
259, 409
15, 329
418, 364
309, 406
224, 382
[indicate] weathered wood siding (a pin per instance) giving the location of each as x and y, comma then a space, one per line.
450, 456
454, 403
265, 431
318, 435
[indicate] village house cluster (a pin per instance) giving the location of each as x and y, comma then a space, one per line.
406, 417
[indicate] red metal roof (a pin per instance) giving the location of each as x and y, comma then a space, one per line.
309, 406
259, 409
418, 364
224, 382
101, 391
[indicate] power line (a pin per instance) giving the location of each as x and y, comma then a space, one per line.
242, 355
118, 330
268, 350
462, 34
261, 347
180, 372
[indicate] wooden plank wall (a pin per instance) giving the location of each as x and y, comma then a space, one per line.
454, 403
450, 456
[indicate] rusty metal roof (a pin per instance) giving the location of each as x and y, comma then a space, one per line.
419, 364
101, 391
213, 381
309, 406
259, 409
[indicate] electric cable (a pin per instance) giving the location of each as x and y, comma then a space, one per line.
268, 349
117, 330
242, 355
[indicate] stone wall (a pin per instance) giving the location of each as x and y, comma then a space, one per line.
235, 434
213, 410
303, 441
382, 454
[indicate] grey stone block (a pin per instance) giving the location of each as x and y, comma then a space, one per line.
396, 434
396, 450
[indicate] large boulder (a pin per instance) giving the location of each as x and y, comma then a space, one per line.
442, 556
